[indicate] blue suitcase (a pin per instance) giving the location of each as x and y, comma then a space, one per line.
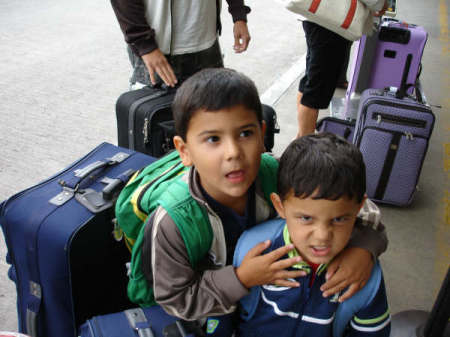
65, 262
140, 322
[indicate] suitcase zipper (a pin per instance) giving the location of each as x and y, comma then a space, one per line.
363, 113
132, 113
382, 117
399, 105
146, 128
408, 135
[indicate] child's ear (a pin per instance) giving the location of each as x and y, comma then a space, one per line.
263, 132
278, 204
183, 150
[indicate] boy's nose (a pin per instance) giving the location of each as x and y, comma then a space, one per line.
232, 149
323, 232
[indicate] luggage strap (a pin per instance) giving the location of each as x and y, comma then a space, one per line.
138, 321
183, 328
387, 167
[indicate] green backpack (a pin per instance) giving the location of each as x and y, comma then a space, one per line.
161, 184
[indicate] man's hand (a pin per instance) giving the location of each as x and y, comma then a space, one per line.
241, 36
352, 269
257, 269
155, 61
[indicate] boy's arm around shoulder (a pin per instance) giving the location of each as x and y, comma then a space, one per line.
369, 233
351, 268
181, 290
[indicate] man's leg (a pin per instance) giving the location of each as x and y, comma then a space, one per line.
324, 60
306, 118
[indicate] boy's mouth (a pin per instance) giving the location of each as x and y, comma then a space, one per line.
236, 176
320, 250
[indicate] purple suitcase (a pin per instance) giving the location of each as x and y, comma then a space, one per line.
378, 59
392, 131
396, 40
341, 127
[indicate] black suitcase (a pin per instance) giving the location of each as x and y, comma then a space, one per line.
145, 122
270, 117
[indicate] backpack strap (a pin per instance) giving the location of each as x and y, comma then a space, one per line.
267, 175
132, 207
362, 298
267, 230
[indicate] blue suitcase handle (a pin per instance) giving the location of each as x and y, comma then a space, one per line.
85, 172
91, 199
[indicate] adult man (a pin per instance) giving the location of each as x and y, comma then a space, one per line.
169, 40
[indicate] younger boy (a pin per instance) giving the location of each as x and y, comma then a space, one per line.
321, 189
220, 133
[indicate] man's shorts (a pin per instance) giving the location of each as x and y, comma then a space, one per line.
183, 65
324, 61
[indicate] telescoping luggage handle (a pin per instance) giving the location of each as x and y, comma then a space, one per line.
95, 201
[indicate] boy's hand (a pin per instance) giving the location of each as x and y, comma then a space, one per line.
258, 269
352, 269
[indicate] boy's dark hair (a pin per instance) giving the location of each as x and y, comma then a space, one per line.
325, 163
212, 90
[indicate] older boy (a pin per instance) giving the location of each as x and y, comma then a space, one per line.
321, 189
220, 137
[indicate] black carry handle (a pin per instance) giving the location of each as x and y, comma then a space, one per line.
113, 186
404, 87
401, 92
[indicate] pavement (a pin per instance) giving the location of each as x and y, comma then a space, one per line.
63, 64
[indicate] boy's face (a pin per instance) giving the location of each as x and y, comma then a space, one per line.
225, 146
319, 228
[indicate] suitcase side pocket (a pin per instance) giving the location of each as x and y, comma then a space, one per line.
340, 127
393, 163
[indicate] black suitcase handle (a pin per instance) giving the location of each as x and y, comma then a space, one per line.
402, 92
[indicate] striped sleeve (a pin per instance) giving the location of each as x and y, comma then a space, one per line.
374, 319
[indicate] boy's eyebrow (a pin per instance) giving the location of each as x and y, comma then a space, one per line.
305, 213
249, 125
246, 126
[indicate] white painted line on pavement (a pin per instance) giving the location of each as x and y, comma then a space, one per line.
276, 90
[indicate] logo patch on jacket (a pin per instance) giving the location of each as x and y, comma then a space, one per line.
212, 325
